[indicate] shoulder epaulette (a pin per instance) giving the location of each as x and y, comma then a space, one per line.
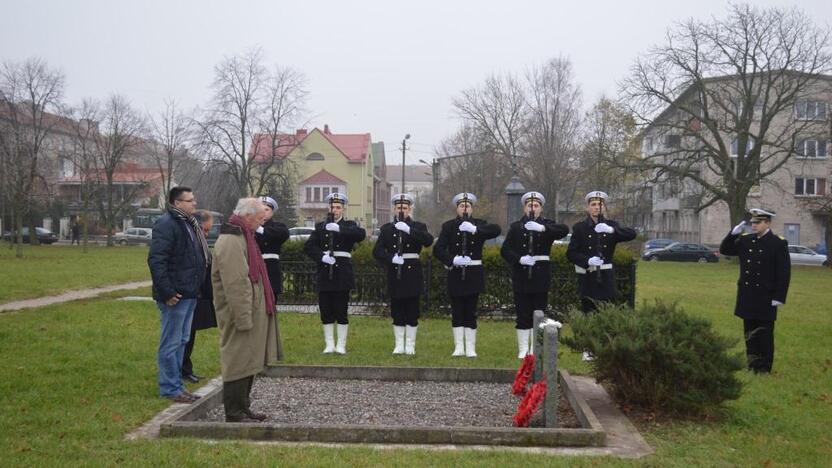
745, 233
781, 237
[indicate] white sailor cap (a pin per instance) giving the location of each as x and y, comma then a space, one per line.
759, 214
531, 196
595, 195
269, 201
465, 196
401, 198
337, 197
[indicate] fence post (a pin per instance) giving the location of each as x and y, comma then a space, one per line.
550, 358
537, 344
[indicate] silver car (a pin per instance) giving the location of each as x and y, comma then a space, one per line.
800, 255
134, 236
300, 233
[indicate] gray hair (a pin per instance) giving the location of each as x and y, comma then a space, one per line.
248, 207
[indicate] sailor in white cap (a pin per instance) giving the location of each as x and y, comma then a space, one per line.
526, 249
397, 248
765, 271
459, 248
330, 246
591, 249
270, 238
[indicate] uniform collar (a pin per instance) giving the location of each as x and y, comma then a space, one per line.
768, 231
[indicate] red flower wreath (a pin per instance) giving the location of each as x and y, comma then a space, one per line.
524, 374
530, 403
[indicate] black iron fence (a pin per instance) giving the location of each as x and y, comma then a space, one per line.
370, 293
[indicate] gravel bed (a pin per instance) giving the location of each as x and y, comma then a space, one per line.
288, 400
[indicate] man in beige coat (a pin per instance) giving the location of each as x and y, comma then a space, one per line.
244, 304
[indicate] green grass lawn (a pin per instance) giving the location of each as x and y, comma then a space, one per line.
75, 378
52, 269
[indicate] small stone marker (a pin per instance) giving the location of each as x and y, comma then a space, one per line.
550, 359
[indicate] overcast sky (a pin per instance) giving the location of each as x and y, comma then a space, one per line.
383, 67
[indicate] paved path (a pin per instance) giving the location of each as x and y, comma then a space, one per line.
70, 296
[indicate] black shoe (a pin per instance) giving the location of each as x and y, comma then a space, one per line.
191, 378
240, 419
256, 416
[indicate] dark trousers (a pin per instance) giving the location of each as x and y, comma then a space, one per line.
759, 344
405, 311
236, 398
333, 305
589, 305
187, 365
464, 311
525, 304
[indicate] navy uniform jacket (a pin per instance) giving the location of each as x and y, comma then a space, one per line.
450, 244
765, 270
586, 243
410, 284
343, 277
516, 245
270, 243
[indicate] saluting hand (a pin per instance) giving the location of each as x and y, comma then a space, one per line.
738, 228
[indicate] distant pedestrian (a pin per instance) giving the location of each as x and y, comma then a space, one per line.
178, 258
75, 231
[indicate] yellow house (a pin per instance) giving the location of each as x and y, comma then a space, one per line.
326, 163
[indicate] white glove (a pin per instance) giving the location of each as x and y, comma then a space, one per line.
738, 228
466, 226
776, 303
595, 261
462, 261
604, 228
334, 227
260, 230
329, 260
534, 226
527, 260
402, 226
398, 259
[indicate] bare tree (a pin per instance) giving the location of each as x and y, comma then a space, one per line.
30, 97
721, 94
85, 161
251, 108
497, 110
119, 135
553, 130
170, 134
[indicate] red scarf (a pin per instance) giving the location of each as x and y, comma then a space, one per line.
256, 265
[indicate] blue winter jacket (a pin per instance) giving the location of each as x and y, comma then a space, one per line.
176, 262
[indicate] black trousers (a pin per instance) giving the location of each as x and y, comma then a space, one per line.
405, 311
759, 344
464, 311
333, 305
525, 304
187, 365
236, 398
589, 305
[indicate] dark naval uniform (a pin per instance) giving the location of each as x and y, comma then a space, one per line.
530, 294
464, 293
333, 294
270, 242
765, 270
404, 293
587, 243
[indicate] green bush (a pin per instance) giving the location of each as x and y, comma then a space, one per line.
658, 358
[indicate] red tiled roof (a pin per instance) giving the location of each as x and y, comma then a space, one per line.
130, 172
354, 147
322, 177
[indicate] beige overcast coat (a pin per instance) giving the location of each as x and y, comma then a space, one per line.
248, 336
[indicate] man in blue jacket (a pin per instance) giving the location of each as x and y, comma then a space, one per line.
177, 259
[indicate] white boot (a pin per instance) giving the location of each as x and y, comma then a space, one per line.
398, 333
459, 342
329, 338
341, 347
522, 343
410, 344
471, 342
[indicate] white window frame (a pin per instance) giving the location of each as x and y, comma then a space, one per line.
735, 146
804, 144
818, 107
805, 183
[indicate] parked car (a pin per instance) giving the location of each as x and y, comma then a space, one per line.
800, 255
656, 244
133, 236
682, 252
565, 240
45, 236
300, 233
495, 241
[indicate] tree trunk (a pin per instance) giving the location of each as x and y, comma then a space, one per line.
18, 226
828, 238
86, 234
33, 234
